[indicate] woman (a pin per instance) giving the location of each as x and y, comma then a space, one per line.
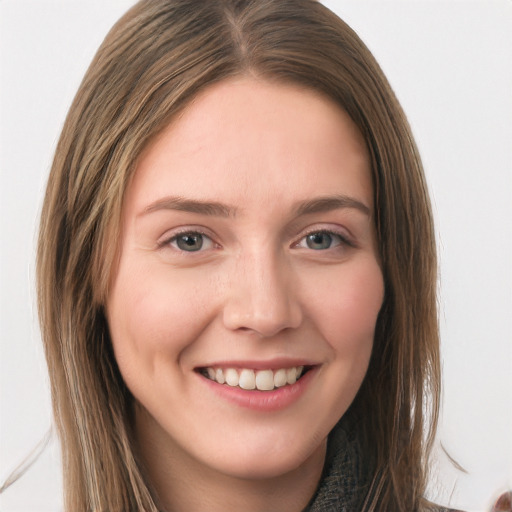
237, 270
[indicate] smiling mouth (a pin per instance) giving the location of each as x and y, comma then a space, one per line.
260, 380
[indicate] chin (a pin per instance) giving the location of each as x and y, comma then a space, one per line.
261, 461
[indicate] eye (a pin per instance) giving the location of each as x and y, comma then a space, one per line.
191, 242
321, 240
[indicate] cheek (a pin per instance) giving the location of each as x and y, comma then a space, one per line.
347, 306
153, 315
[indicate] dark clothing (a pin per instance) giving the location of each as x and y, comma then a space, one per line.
346, 478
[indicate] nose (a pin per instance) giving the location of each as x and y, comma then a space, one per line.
262, 295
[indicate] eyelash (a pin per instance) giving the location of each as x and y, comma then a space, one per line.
185, 232
343, 239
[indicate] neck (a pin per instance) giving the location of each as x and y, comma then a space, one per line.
184, 484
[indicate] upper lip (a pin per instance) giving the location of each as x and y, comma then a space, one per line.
271, 364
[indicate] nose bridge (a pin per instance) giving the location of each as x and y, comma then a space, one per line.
262, 296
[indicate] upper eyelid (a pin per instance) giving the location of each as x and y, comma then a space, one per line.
174, 241
342, 232
321, 230
344, 240
169, 243
186, 230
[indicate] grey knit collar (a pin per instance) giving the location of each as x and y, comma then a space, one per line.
345, 480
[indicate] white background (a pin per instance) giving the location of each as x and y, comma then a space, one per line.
450, 63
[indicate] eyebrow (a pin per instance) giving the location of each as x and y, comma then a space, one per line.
216, 209
329, 203
210, 208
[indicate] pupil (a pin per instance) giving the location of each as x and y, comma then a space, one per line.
319, 241
190, 242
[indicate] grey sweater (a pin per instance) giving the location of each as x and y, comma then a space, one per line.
346, 478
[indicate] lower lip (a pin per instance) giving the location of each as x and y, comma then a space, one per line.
264, 401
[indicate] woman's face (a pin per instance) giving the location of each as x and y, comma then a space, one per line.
247, 255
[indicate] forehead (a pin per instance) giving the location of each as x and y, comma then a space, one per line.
248, 142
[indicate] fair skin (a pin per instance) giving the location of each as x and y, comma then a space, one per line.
247, 247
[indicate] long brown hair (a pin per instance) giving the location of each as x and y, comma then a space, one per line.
151, 64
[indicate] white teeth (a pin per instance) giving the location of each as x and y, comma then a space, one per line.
231, 376
291, 375
262, 380
219, 376
265, 380
247, 379
280, 378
